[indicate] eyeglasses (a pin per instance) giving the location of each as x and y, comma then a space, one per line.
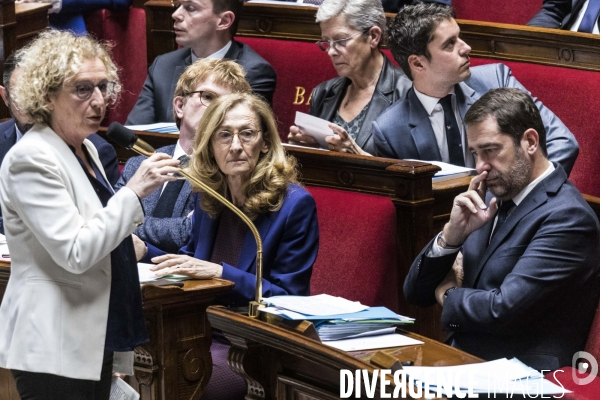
325, 45
206, 96
246, 136
85, 90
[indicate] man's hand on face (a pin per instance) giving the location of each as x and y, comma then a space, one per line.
469, 212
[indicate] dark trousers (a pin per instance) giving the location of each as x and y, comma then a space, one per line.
39, 386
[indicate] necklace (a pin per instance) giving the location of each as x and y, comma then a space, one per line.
361, 90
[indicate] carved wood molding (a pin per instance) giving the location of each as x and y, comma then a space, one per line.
488, 39
532, 44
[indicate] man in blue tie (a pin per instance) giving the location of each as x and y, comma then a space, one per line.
573, 15
427, 123
530, 278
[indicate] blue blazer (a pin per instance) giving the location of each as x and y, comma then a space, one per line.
72, 12
290, 244
404, 131
533, 291
155, 103
169, 234
558, 14
106, 153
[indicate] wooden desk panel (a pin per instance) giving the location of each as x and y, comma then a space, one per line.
19, 23
283, 364
32, 18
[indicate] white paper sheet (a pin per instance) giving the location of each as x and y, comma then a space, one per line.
148, 276
120, 390
373, 342
165, 127
315, 127
322, 304
499, 376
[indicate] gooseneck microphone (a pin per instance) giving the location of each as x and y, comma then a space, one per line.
127, 138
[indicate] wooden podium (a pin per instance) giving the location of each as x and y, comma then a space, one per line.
176, 363
281, 364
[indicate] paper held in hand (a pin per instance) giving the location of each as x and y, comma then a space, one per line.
315, 127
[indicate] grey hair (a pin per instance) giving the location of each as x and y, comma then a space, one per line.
359, 14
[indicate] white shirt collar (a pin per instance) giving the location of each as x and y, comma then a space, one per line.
219, 54
428, 102
521, 196
178, 151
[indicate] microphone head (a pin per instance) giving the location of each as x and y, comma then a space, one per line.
120, 135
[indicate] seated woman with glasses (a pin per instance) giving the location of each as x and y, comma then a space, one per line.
238, 153
352, 32
73, 305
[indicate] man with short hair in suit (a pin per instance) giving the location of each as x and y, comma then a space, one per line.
573, 15
168, 210
12, 131
427, 124
530, 245
205, 29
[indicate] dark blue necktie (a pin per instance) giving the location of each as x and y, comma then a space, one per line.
590, 17
455, 150
503, 212
168, 197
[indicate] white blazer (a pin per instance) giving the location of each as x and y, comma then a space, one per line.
54, 312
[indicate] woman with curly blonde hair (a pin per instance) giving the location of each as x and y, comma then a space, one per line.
72, 307
238, 153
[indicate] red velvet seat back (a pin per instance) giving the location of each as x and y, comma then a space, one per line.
517, 12
572, 95
300, 66
357, 251
127, 30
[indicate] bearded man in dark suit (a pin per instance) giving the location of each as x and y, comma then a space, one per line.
529, 284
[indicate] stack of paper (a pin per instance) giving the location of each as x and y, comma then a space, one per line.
449, 171
508, 377
336, 318
146, 275
160, 127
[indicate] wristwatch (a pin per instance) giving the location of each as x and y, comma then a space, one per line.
442, 243
448, 291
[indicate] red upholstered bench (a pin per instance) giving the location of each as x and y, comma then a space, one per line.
572, 94
507, 12
300, 66
357, 251
127, 31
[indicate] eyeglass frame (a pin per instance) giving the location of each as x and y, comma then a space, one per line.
188, 94
108, 94
234, 134
335, 43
